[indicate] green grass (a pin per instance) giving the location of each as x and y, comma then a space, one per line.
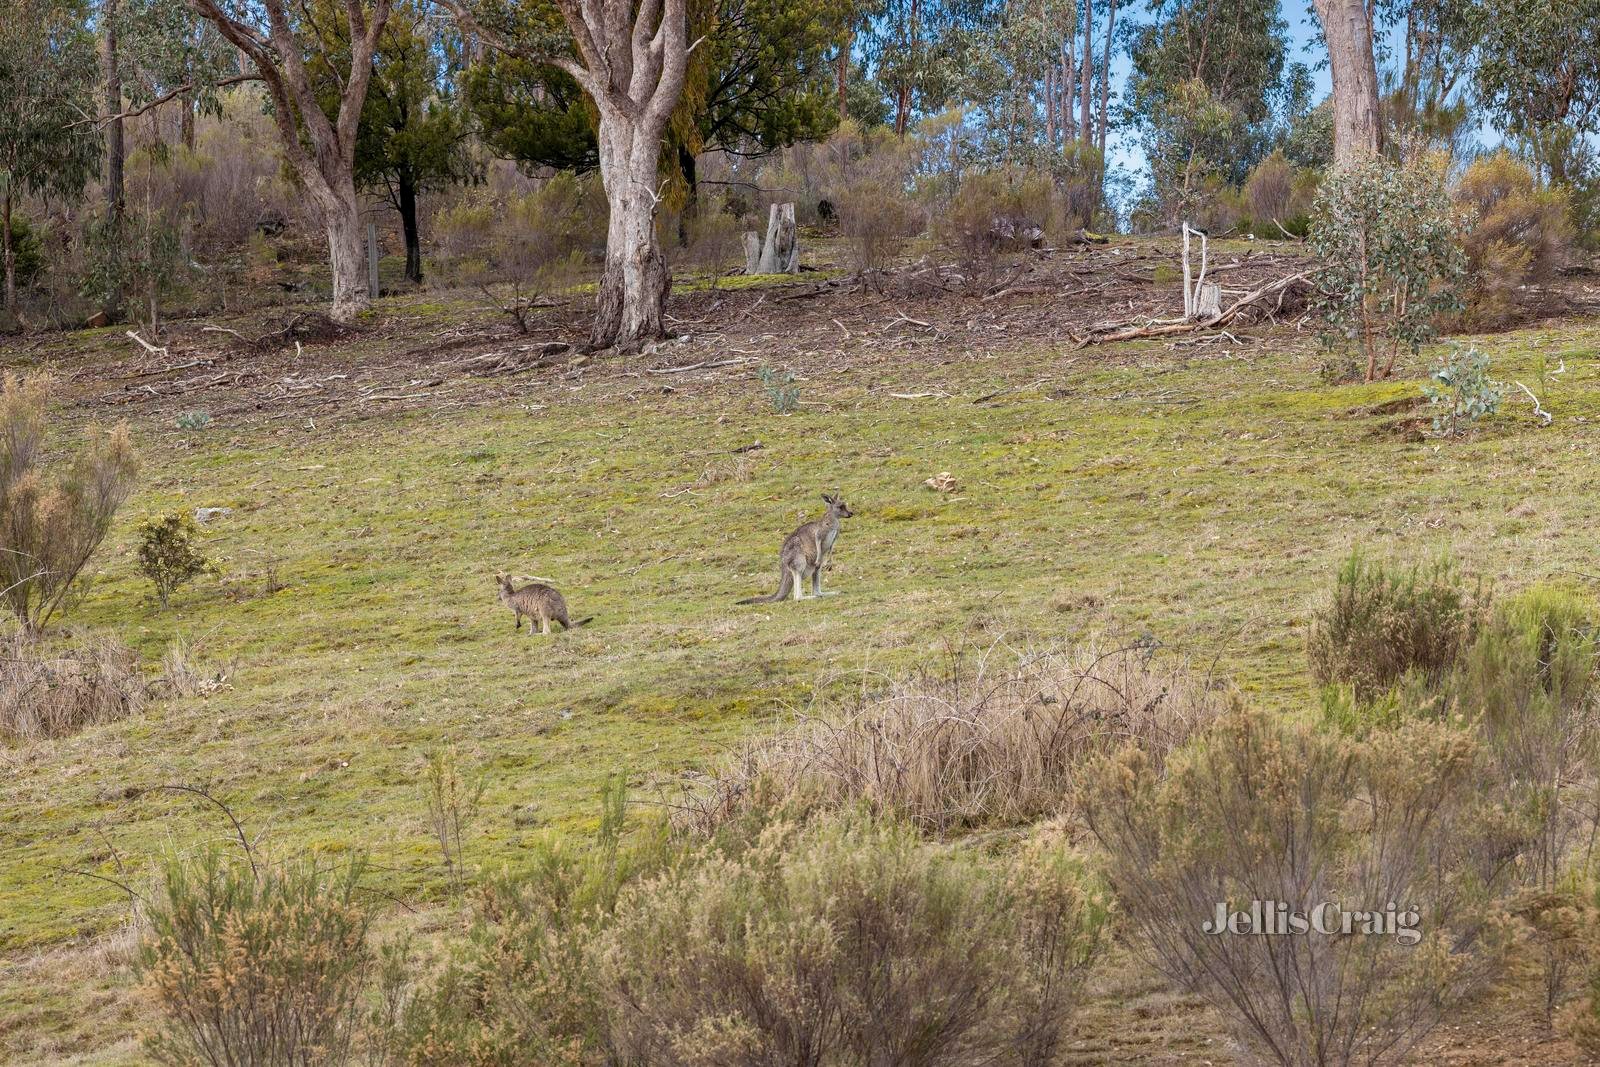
1203, 498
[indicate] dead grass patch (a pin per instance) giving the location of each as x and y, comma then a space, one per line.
998, 742
57, 689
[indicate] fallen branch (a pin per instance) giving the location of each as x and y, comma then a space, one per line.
703, 365
1227, 316
1538, 409
154, 350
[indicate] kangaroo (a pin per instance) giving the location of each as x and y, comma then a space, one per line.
805, 551
538, 602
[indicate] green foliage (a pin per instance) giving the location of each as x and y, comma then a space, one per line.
192, 420
167, 554
1208, 81
780, 387
1384, 623
1391, 258
29, 252
255, 961
1460, 391
47, 80
1538, 65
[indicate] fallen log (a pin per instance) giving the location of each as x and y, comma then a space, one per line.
1164, 329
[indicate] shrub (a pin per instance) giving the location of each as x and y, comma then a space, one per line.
1262, 815
990, 214
714, 239
1529, 683
1391, 259
26, 247
524, 989
848, 942
255, 962
780, 387
167, 554
1518, 233
1269, 188
57, 691
1461, 391
984, 746
52, 523
1385, 622
519, 247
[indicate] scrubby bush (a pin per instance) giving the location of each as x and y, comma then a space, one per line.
59, 689
714, 239
986, 746
51, 522
524, 988
1529, 683
992, 213
1284, 819
848, 942
1460, 391
167, 554
1392, 261
1517, 233
1385, 623
1269, 187
252, 961
517, 248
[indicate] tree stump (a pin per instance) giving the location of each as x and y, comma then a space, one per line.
752, 252
781, 254
1207, 301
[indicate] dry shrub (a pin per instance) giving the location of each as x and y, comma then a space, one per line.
51, 522
1258, 810
253, 961
986, 746
1519, 233
59, 690
1268, 188
849, 942
991, 214
1384, 623
185, 673
714, 239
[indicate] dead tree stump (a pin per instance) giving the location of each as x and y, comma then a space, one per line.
752, 252
781, 253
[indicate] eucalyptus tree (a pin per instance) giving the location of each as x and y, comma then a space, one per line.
631, 62
280, 40
47, 82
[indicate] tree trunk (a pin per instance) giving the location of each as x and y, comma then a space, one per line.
186, 120
115, 196
1357, 135
1085, 129
691, 203
347, 255
408, 226
1105, 77
1069, 83
844, 75
633, 290
1050, 105
10, 256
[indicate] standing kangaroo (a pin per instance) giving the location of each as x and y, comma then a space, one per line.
805, 551
539, 602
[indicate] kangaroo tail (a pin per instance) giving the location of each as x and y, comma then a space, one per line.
581, 622
785, 587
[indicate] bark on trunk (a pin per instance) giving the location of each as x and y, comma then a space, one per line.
1357, 135
1105, 78
186, 120
408, 226
10, 256
115, 196
691, 203
1085, 129
340, 212
844, 75
633, 290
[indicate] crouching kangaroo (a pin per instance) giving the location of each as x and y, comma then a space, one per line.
539, 602
805, 551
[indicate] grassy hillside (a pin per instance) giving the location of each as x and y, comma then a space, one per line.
1199, 494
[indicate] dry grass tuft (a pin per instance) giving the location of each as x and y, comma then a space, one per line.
185, 672
986, 745
55, 690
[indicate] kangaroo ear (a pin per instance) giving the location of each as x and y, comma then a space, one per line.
830, 498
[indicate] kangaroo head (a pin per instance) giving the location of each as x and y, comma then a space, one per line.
837, 506
503, 581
